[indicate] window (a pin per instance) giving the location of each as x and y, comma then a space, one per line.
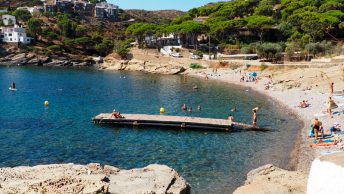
9, 34
10, 39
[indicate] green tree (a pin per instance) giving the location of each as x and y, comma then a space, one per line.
141, 30
105, 47
331, 5
265, 10
269, 50
311, 24
35, 26
259, 24
66, 25
84, 42
191, 29
22, 15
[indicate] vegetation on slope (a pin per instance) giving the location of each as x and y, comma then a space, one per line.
298, 25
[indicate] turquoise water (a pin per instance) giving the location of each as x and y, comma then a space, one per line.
212, 162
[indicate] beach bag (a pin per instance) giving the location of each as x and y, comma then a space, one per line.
311, 131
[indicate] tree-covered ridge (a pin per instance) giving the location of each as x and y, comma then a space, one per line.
242, 22
304, 18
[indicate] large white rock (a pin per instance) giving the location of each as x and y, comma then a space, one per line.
327, 175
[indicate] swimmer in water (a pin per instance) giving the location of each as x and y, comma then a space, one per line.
234, 109
13, 85
190, 109
199, 108
254, 117
184, 107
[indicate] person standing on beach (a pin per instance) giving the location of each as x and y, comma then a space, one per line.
330, 105
254, 117
331, 88
231, 118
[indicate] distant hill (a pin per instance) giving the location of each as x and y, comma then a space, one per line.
157, 17
19, 3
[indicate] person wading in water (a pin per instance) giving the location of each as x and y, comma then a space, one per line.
254, 119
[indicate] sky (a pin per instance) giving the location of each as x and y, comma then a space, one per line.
183, 5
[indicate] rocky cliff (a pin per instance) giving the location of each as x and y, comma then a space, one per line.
91, 178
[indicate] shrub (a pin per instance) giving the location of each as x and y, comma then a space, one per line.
269, 50
105, 47
54, 48
249, 49
198, 53
123, 52
177, 50
196, 66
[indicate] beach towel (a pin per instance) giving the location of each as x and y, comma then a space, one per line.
341, 104
338, 97
322, 145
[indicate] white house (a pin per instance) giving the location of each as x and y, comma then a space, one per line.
14, 34
9, 20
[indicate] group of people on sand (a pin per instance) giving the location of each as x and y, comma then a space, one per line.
317, 126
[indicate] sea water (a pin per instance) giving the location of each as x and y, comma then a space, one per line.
212, 162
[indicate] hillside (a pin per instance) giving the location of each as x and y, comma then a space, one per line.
157, 17
268, 27
19, 3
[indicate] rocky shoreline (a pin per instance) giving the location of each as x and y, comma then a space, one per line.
91, 178
171, 68
31, 59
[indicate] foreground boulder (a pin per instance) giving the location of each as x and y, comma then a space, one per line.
269, 179
92, 178
327, 174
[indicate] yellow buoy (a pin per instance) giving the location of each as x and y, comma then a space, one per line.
46, 103
162, 110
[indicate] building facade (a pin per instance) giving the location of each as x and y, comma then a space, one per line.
106, 11
15, 34
82, 7
9, 20
50, 6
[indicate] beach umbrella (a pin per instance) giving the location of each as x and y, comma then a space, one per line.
254, 74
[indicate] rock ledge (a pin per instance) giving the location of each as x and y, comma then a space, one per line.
91, 178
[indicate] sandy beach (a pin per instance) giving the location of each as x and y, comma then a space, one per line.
290, 86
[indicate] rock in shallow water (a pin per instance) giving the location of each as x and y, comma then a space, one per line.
92, 178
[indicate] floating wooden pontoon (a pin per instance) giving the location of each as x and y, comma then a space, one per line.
143, 120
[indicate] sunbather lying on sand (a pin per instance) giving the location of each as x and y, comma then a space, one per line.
304, 104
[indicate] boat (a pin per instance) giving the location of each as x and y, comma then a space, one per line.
12, 89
